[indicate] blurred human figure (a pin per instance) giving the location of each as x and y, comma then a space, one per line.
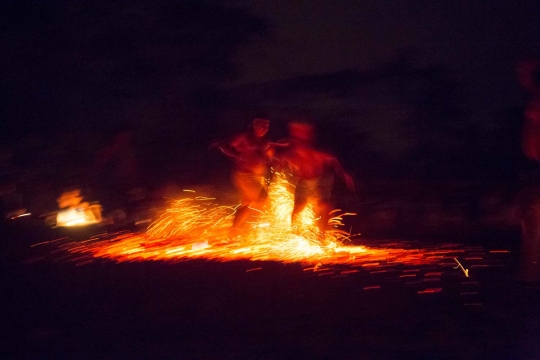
251, 158
115, 171
529, 77
11, 199
314, 171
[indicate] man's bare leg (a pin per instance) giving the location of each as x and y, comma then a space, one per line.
243, 214
240, 218
299, 205
323, 212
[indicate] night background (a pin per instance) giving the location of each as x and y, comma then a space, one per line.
420, 101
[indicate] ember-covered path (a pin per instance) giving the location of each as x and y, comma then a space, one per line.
252, 310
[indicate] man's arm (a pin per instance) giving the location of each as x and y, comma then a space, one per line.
530, 141
527, 71
338, 169
229, 148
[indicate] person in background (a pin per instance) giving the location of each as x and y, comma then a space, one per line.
314, 170
250, 153
529, 77
115, 172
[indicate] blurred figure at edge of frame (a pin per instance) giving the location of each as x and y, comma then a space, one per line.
250, 152
529, 77
314, 171
115, 172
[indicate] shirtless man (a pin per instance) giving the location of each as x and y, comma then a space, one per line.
315, 172
249, 152
529, 77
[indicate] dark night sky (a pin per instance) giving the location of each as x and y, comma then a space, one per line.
477, 39
94, 66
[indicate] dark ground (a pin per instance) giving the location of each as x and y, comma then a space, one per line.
52, 309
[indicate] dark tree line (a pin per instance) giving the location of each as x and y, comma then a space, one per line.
75, 63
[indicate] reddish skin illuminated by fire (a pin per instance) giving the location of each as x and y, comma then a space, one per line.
249, 152
529, 77
531, 129
314, 170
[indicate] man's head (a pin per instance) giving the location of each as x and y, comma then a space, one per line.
260, 127
301, 131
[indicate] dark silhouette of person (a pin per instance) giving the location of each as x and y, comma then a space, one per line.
250, 152
529, 77
314, 171
115, 170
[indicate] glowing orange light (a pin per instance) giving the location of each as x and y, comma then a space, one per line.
79, 216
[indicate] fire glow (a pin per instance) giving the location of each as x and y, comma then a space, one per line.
83, 216
197, 228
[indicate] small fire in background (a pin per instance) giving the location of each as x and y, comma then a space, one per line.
74, 212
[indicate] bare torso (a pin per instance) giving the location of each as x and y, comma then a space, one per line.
250, 154
308, 163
